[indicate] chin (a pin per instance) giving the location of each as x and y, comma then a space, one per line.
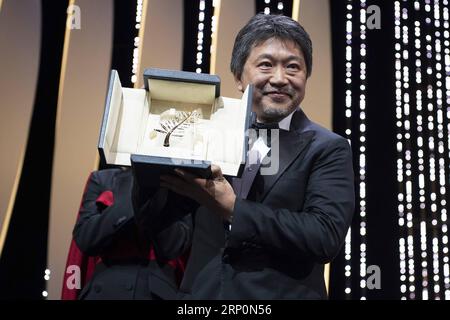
275, 114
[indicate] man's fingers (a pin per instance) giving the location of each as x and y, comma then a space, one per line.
216, 172
185, 175
171, 188
173, 182
171, 179
191, 178
174, 187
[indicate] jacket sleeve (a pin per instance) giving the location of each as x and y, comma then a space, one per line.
165, 218
175, 240
96, 228
317, 232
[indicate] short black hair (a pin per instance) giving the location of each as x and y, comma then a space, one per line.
263, 27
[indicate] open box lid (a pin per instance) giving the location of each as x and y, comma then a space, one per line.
127, 108
185, 84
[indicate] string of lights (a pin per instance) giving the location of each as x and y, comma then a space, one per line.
352, 57
362, 149
199, 31
348, 134
200, 35
406, 239
421, 139
268, 4
441, 256
442, 136
137, 41
422, 95
274, 7
356, 61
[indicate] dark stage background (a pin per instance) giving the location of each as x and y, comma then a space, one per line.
391, 94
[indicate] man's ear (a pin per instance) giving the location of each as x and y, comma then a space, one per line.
239, 84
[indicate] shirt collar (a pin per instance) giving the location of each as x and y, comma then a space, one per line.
285, 123
261, 146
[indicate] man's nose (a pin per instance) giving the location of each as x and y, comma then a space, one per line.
278, 77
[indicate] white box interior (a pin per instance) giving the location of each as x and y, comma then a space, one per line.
134, 114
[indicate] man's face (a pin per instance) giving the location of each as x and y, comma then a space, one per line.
277, 70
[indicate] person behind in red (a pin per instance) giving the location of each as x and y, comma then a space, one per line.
119, 251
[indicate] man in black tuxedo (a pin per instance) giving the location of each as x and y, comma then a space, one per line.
271, 241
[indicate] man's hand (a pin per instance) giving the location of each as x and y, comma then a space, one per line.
216, 193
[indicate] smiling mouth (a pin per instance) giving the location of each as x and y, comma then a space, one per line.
276, 94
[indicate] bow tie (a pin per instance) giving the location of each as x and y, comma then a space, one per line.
265, 126
268, 126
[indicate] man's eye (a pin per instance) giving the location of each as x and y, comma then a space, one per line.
293, 66
265, 64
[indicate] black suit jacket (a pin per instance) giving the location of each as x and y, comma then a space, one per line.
121, 236
293, 223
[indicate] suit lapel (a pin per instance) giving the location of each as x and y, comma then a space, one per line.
291, 144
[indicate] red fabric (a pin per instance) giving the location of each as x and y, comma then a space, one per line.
106, 198
87, 264
77, 258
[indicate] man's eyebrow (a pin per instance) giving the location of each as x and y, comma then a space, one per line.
271, 57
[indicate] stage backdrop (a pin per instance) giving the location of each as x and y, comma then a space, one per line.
101, 35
